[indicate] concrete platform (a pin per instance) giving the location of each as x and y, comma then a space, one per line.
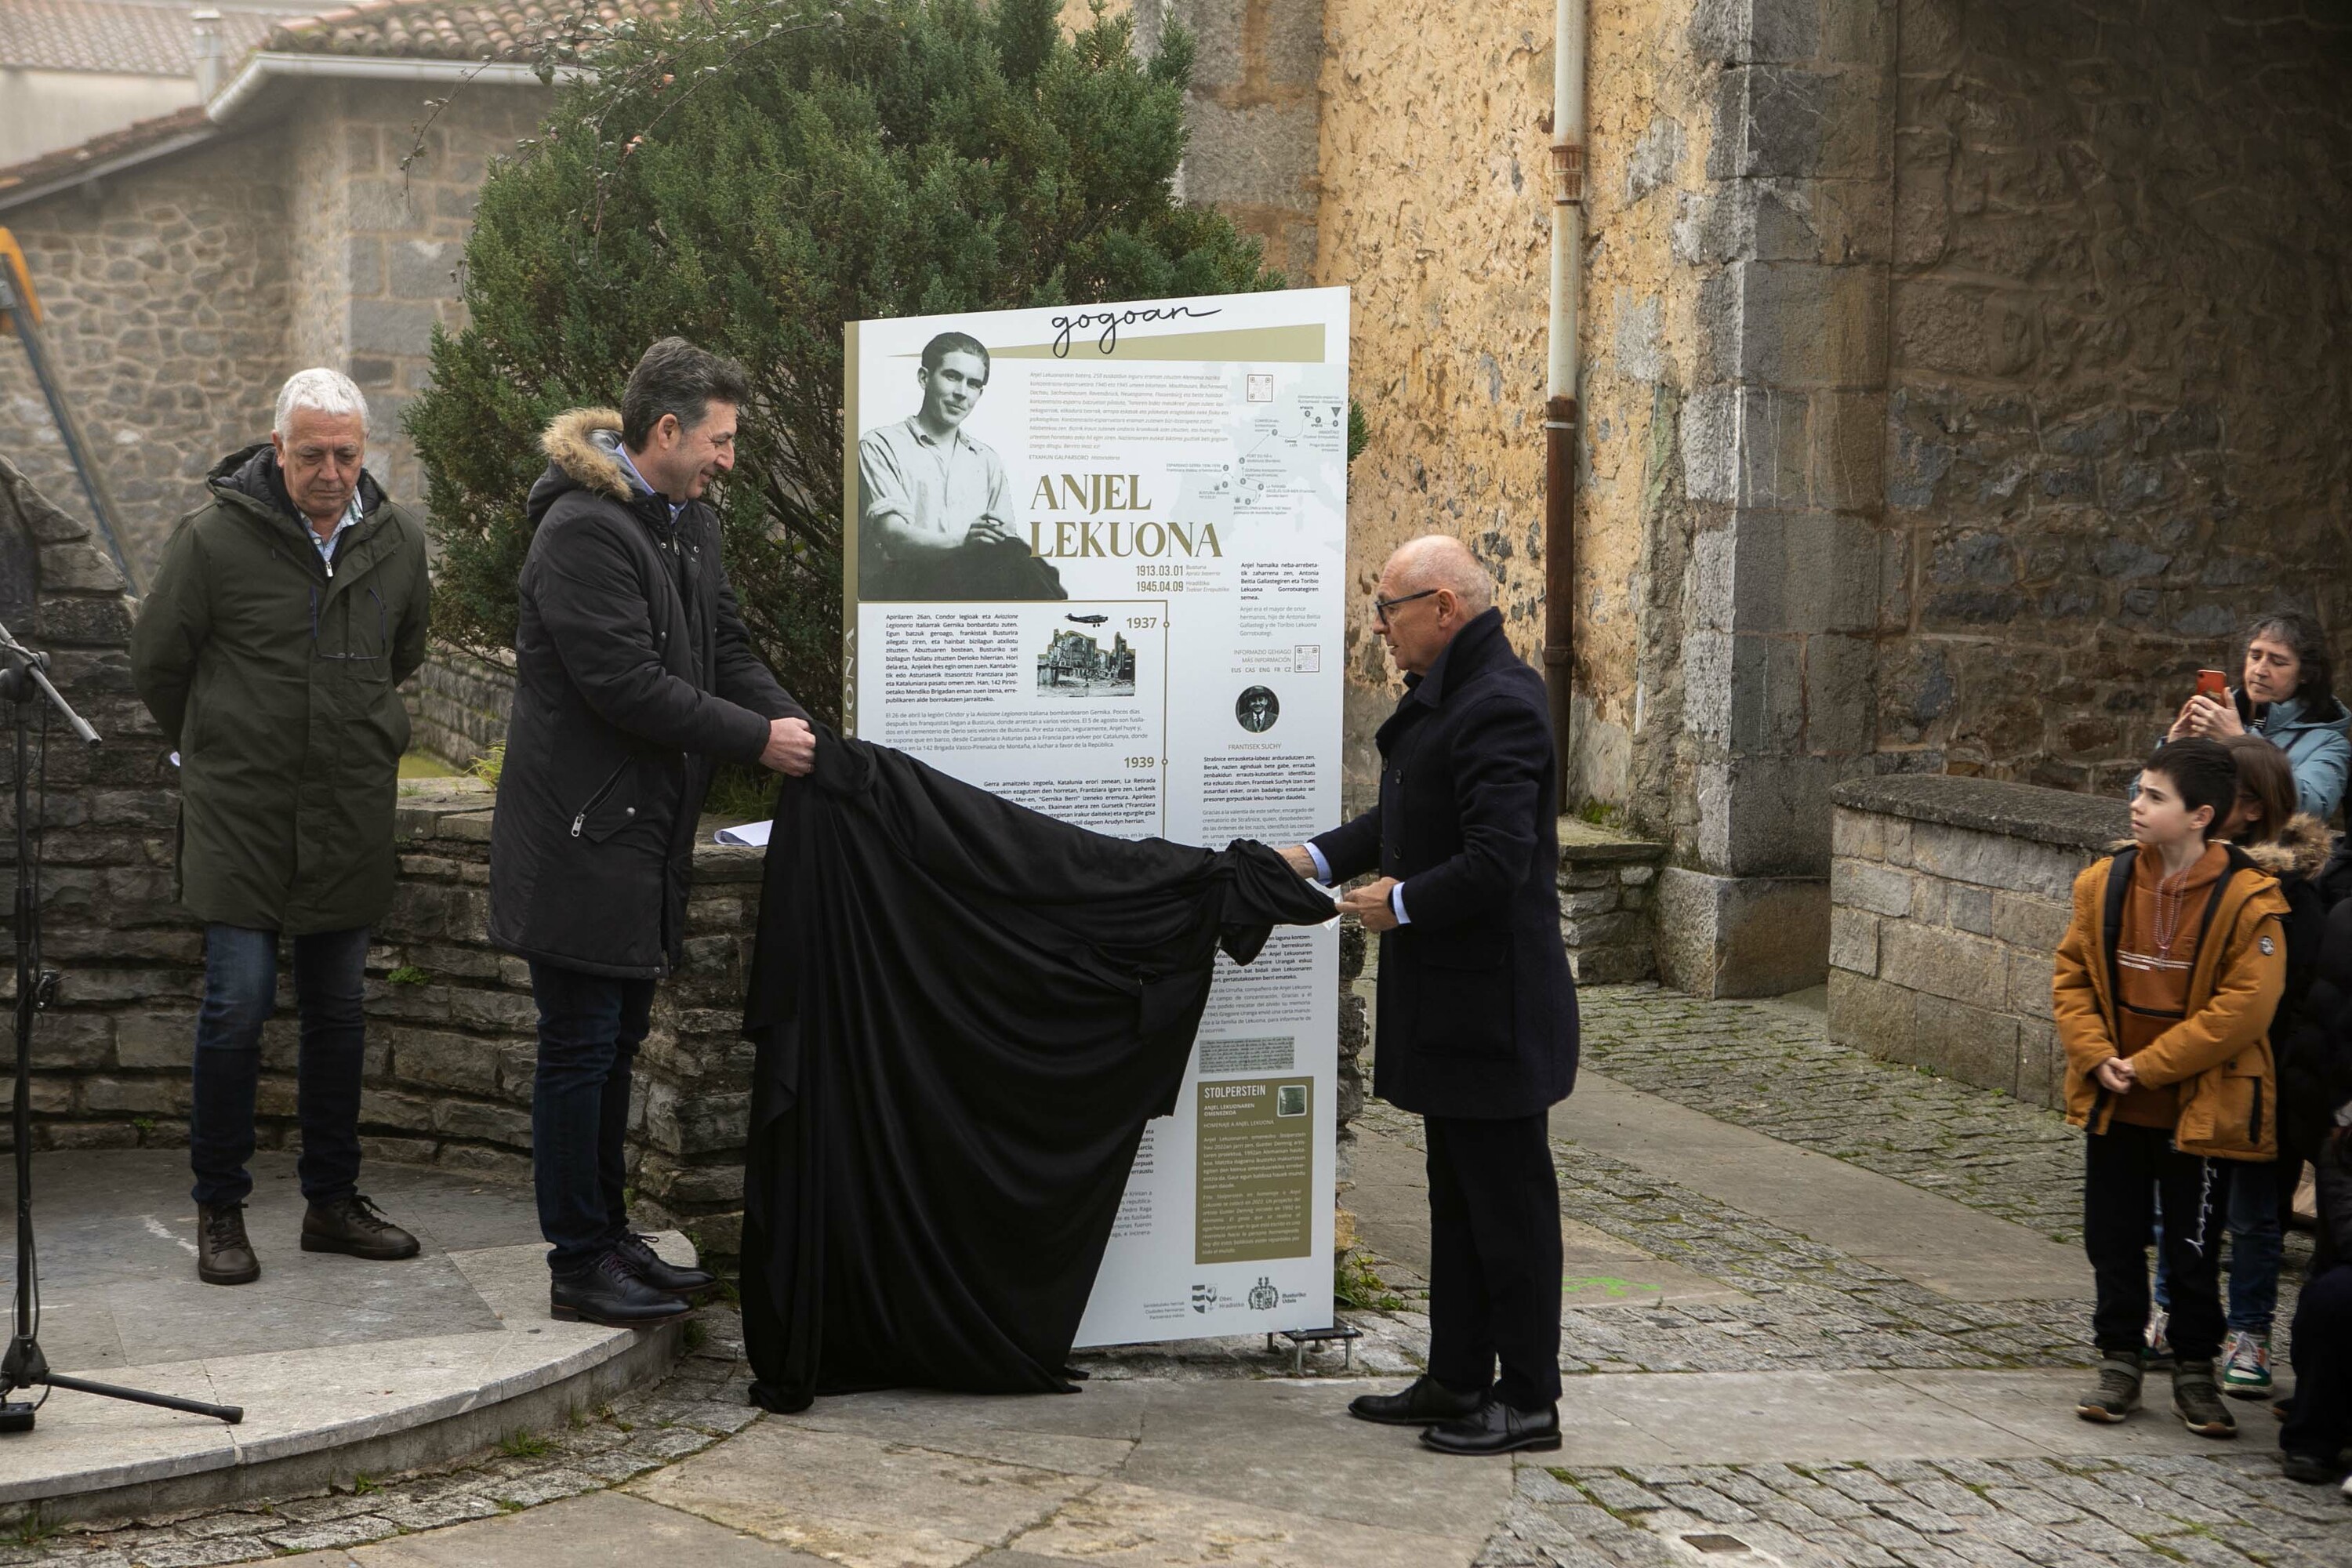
342, 1367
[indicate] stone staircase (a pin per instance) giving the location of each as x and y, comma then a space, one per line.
1607, 880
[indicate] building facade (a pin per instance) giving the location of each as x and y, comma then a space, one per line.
1955, 374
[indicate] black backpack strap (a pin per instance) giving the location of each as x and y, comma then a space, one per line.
2111, 919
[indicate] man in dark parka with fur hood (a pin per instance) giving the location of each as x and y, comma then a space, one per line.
285, 614
634, 674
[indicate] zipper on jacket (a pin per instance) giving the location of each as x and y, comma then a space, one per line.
2254, 1127
596, 800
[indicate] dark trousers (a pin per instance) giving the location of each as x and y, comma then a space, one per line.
240, 993
1493, 1257
590, 1027
2126, 1171
2320, 1418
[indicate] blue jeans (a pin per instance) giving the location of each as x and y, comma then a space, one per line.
590, 1027
240, 993
2251, 1213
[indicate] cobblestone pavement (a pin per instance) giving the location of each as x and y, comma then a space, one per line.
1803, 1307
2230, 1511
1812, 1307
1771, 1067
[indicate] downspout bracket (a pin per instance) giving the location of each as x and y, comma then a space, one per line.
1568, 173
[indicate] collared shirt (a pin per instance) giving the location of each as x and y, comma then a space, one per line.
327, 543
630, 463
939, 487
1323, 875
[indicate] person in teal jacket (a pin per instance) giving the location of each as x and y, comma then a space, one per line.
2288, 696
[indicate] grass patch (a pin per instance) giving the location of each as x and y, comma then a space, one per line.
695, 1335
408, 975
489, 765
742, 792
365, 1485
1600, 814
1353, 1284
521, 1445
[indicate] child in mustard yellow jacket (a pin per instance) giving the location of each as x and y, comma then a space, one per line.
2165, 985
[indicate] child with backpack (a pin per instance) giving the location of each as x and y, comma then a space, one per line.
2165, 985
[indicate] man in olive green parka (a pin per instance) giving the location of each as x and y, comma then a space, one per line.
286, 612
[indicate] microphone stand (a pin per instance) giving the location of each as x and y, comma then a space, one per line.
24, 680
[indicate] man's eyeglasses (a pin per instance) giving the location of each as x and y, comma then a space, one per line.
1381, 607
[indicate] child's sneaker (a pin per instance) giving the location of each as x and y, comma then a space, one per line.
2117, 1394
2197, 1400
2246, 1373
2159, 1343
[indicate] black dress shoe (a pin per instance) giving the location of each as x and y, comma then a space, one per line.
224, 1255
1496, 1427
1425, 1404
355, 1226
638, 1253
2311, 1469
608, 1292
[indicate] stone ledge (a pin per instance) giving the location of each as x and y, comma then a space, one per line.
1990, 805
1585, 842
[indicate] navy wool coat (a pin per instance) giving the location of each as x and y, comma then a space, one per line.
1476, 1009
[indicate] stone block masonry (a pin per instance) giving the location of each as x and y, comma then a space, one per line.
1948, 897
2116, 400
1608, 885
459, 704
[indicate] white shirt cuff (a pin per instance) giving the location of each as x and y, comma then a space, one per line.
1322, 867
1396, 902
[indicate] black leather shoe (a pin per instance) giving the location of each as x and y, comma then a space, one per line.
638, 1252
224, 1255
1496, 1427
2311, 1469
355, 1226
607, 1292
1425, 1404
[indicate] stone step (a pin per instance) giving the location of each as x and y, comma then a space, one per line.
342, 1366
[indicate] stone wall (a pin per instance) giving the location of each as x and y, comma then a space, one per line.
1434, 213
1253, 114
458, 705
2122, 367
1607, 883
181, 294
165, 290
380, 254
1947, 900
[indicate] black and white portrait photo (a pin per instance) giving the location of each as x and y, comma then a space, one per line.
1256, 710
935, 507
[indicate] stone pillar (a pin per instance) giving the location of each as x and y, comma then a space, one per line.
1782, 440
1256, 147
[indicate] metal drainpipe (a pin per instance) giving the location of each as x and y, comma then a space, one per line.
1561, 413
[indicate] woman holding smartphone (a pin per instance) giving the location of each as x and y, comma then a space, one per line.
2288, 696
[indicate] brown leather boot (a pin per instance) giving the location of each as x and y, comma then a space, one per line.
224, 1255
355, 1226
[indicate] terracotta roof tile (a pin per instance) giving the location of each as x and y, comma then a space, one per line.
121, 35
99, 149
494, 30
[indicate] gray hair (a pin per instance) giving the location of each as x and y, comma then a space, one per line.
1442, 561
322, 391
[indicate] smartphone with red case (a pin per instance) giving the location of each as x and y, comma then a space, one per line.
2213, 683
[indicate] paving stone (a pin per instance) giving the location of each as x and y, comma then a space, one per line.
355, 1531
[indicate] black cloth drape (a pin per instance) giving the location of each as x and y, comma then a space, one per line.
964, 1012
